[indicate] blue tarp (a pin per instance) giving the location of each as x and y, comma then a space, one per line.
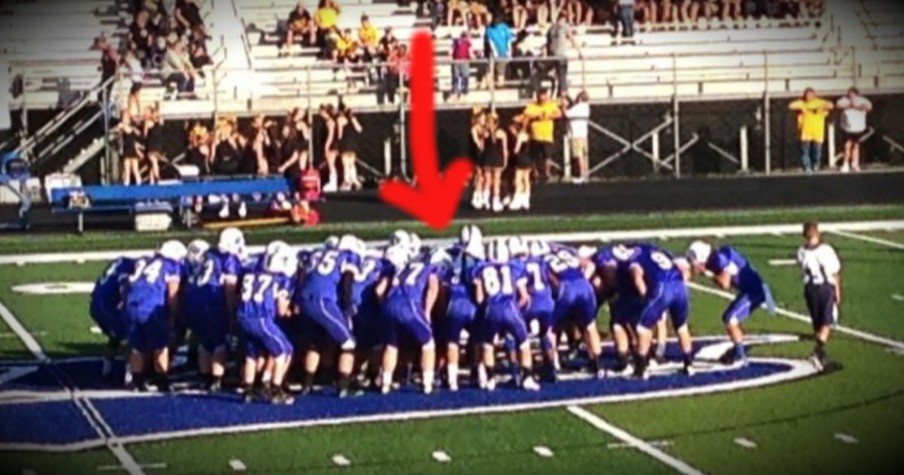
111, 194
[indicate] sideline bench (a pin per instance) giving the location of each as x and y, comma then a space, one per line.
161, 198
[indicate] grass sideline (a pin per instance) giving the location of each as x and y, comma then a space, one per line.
22, 243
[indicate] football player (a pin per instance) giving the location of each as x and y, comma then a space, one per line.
107, 308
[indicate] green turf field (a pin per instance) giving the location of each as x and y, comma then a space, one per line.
793, 425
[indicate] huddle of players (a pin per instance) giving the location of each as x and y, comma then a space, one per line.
368, 303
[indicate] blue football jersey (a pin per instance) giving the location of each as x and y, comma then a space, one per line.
108, 287
148, 282
371, 270
206, 285
259, 291
411, 281
323, 273
657, 265
743, 275
500, 281
537, 271
565, 264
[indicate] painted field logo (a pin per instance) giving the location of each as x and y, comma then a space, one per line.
38, 414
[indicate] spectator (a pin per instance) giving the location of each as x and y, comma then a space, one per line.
481, 197
368, 38
227, 149
286, 146
133, 106
811, 123
731, 10
688, 11
326, 19
197, 51
198, 153
390, 74
188, 16
261, 145
177, 68
456, 13
580, 13
710, 8
298, 23
649, 10
520, 14
302, 137
626, 19
153, 142
461, 69
854, 108
495, 159
578, 115
539, 9
158, 53
520, 144
541, 115
349, 131
558, 38
330, 146
499, 37
131, 151
109, 61
668, 12
131, 65
478, 14
141, 37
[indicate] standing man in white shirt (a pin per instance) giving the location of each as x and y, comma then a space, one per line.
822, 288
854, 108
578, 115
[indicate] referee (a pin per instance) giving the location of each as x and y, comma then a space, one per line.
822, 288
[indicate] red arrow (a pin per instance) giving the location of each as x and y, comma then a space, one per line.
436, 197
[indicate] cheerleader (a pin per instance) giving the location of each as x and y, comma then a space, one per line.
523, 165
349, 131
481, 199
131, 151
153, 142
495, 159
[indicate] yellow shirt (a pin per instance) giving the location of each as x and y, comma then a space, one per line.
345, 45
327, 17
368, 35
541, 125
811, 119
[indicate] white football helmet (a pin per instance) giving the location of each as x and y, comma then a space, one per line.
699, 252
232, 241
331, 242
498, 251
440, 257
539, 248
283, 261
196, 250
586, 252
470, 233
517, 246
400, 237
396, 255
475, 249
348, 243
173, 250
414, 244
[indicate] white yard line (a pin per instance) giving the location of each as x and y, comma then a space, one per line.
84, 405
543, 451
597, 422
589, 236
874, 240
746, 443
803, 318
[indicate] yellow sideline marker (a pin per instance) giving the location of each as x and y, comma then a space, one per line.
246, 223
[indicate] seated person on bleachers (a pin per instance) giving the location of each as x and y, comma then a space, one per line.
141, 36
668, 11
325, 19
177, 67
197, 51
456, 12
387, 44
299, 23
369, 39
579, 12
347, 50
478, 14
731, 10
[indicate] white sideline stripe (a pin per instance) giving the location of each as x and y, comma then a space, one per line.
588, 236
803, 318
27, 338
115, 468
237, 465
846, 438
746, 443
441, 457
542, 451
799, 369
341, 461
115, 446
599, 423
782, 262
652, 443
874, 240
10, 335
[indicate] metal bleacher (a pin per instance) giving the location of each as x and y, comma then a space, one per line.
857, 42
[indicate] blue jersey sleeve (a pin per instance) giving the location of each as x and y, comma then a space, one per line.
231, 266
172, 270
719, 261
